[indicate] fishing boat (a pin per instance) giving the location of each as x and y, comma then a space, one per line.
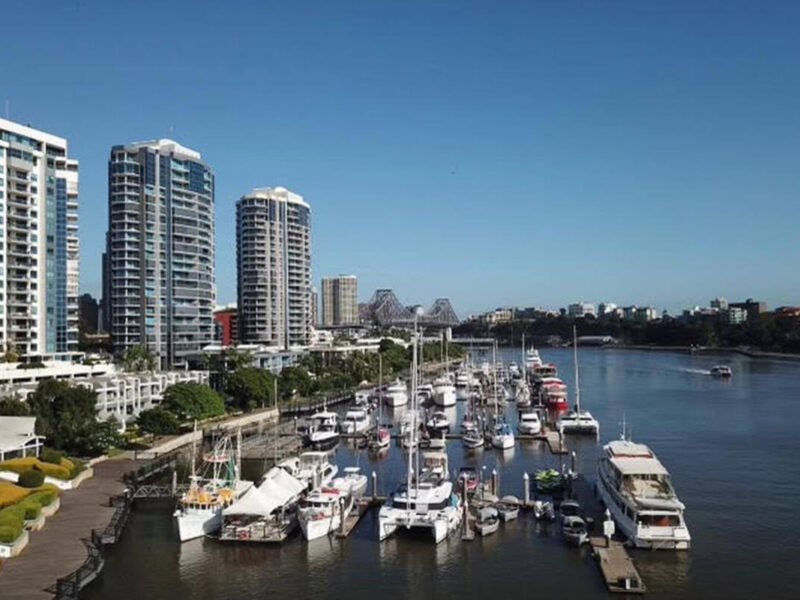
215, 487
356, 420
529, 423
487, 521
426, 501
577, 421
396, 394
637, 490
721, 371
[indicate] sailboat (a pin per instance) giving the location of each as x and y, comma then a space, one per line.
444, 392
577, 421
427, 500
502, 435
380, 438
522, 391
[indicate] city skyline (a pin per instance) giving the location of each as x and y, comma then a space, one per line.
684, 183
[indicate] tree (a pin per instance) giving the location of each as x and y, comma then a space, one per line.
14, 407
65, 415
137, 359
294, 380
192, 400
158, 421
10, 354
251, 388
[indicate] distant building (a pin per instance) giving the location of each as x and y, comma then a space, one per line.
719, 303
790, 312
39, 245
646, 314
226, 320
629, 312
498, 315
754, 308
88, 311
339, 301
605, 309
581, 309
734, 315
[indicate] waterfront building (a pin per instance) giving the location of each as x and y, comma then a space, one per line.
159, 277
39, 248
581, 309
753, 308
226, 319
339, 301
273, 264
18, 437
734, 315
498, 315
53, 367
88, 313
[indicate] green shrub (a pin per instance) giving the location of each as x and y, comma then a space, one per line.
77, 467
30, 479
9, 533
49, 455
158, 421
44, 498
32, 508
20, 465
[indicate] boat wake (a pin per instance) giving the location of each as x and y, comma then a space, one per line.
695, 371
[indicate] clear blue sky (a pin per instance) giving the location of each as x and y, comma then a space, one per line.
529, 153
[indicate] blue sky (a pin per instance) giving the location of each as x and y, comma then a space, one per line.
526, 153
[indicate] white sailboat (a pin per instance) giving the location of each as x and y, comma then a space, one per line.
427, 500
444, 392
502, 435
577, 421
521, 390
380, 438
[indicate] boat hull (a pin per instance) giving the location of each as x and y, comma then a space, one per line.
193, 524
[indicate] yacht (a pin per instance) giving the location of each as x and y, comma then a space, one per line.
462, 378
472, 438
396, 394
355, 420
426, 501
532, 359
213, 489
543, 370
636, 489
502, 436
487, 521
438, 422
313, 469
379, 438
522, 394
721, 371
444, 392
553, 393
529, 423
324, 508
425, 390
322, 430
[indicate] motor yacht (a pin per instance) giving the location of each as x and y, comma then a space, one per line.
529, 423
396, 394
355, 420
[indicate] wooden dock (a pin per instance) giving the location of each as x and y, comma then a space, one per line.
616, 566
555, 442
351, 520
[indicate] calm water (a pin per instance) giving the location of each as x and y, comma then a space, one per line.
732, 447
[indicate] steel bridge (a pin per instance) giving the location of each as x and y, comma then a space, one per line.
386, 310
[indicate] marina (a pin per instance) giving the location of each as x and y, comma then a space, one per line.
639, 388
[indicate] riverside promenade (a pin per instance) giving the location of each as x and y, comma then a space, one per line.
57, 550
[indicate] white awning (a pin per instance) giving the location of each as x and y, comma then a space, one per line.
277, 489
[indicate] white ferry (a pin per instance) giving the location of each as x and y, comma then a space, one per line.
637, 491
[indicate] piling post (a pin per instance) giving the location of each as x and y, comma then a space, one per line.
494, 482
526, 488
572, 463
174, 482
374, 486
341, 516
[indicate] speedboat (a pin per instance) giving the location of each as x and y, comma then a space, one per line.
322, 431
444, 392
468, 478
637, 490
529, 423
543, 510
210, 492
502, 436
396, 394
487, 521
379, 439
508, 508
574, 530
355, 420
438, 422
721, 371
472, 438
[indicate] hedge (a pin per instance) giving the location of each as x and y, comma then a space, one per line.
20, 465
10, 493
30, 479
12, 519
52, 456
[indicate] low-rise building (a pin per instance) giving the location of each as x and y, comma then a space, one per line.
581, 309
498, 315
14, 374
18, 437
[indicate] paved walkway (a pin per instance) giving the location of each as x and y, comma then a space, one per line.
57, 550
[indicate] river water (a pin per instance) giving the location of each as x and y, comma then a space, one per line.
732, 447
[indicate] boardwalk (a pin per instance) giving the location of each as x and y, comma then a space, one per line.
57, 550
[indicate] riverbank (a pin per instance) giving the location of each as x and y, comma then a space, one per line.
58, 549
707, 350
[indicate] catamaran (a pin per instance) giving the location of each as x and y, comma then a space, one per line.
577, 421
427, 500
636, 489
216, 487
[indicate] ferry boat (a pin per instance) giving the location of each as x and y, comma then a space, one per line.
396, 394
721, 371
636, 489
217, 486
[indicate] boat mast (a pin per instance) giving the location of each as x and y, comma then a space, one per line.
412, 437
380, 388
575, 358
494, 378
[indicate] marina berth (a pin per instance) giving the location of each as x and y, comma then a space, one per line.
636, 489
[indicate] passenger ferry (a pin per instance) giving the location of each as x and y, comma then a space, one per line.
637, 491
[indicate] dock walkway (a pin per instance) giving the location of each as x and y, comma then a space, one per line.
57, 550
617, 568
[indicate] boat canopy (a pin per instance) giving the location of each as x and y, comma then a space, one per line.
277, 488
639, 466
